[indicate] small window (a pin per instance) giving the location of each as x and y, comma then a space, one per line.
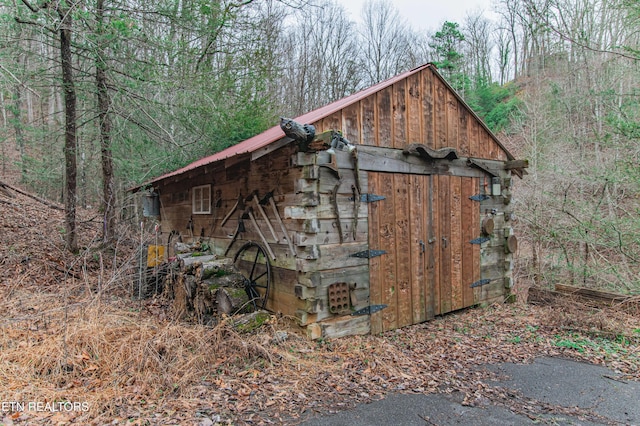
202, 199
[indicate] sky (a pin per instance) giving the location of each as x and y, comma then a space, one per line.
428, 14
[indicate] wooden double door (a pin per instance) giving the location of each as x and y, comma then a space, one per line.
425, 226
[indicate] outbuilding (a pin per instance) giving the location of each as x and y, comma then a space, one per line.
395, 210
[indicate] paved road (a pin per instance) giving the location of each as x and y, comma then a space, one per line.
551, 390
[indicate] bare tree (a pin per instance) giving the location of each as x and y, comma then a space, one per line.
385, 41
320, 57
479, 46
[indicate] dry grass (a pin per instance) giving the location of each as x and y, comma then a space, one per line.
110, 355
122, 358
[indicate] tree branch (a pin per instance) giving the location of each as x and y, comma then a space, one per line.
34, 9
34, 23
571, 40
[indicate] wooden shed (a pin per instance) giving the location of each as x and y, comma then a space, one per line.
406, 217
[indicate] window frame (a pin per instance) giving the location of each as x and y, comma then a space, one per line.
197, 199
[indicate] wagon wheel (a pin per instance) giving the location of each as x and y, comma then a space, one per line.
253, 263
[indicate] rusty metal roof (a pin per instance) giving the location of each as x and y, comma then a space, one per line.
275, 133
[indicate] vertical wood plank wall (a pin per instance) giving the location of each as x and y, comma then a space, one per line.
430, 263
416, 286
418, 109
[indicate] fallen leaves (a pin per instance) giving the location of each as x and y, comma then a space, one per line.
61, 340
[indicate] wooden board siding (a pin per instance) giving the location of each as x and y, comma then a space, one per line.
427, 111
418, 217
457, 240
434, 242
416, 117
425, 228
470, 217
418, 109
443, 243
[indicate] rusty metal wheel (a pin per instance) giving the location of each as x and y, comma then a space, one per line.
253, 263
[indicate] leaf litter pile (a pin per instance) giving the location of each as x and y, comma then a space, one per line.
75, 345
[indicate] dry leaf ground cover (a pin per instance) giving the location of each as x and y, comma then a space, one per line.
76, 349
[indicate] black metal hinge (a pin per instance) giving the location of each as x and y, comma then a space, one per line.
369, 198
368, 254
480, 282
480, 240
369, 310
479, 197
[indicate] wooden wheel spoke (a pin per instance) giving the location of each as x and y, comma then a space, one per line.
251, 261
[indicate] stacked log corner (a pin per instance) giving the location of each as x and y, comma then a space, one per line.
496, 255
335, 236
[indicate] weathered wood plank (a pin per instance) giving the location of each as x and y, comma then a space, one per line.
274, 146
326, 210
435, 244
489, 145
464, 149
328, 180
333, 256
369, 131
282, 297
385, 135
491, 255
388, 242
452, 120
492, 292
375, 264
414, 109
456, 243
440, 123
351, 122
308, 227
389, 160
332, 236
400, 114
404, 250
516, 164
428, 109
445, 243
344, 326
357, 274
332, 122
470, 230
418, 249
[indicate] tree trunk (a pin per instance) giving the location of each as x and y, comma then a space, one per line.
17, 128
104, 103
70, 145
230, 300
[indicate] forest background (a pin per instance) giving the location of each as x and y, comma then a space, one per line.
96, 97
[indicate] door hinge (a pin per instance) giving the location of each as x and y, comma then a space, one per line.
372, 309
369, 198
368, 254
480, 240
480, 282
479, 197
